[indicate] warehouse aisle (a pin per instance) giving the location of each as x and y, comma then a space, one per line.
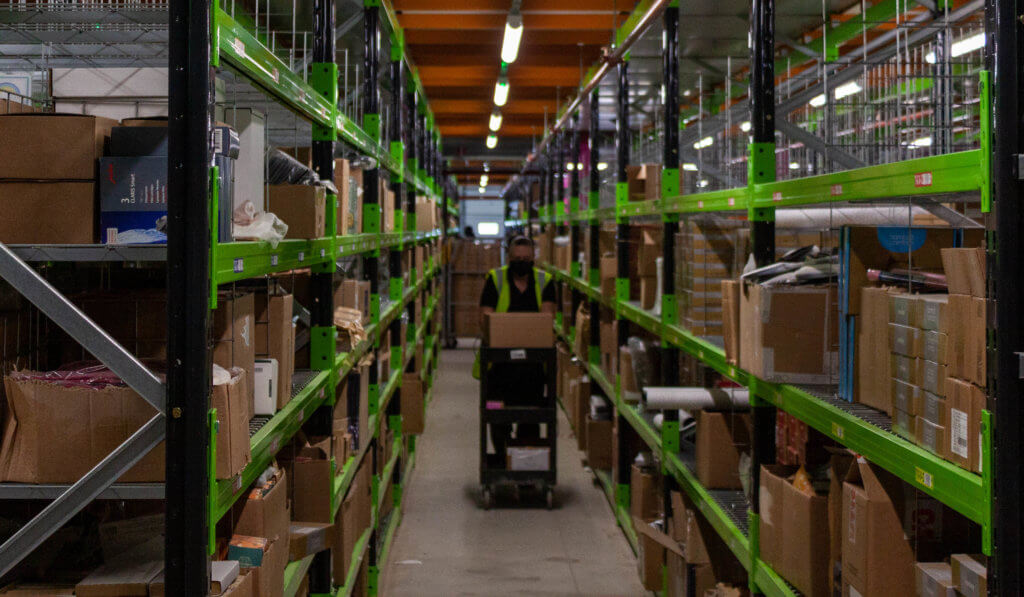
446, 545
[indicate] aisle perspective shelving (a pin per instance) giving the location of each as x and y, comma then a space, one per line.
206, 43
966, 177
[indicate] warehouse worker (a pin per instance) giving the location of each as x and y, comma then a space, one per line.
516, 288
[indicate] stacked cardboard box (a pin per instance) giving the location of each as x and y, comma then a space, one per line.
965, 386
701, 547
918, 340
706, 255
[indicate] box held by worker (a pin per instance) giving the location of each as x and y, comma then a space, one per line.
519, 330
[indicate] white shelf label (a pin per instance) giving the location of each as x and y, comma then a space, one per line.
273, 260
239, 265
517, 354
302, 256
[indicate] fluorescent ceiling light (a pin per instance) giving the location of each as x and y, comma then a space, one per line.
702, 183
690, 167
495, 122
922, 142
705, 142
959, 48
483, 180
570, 166
492, 141
839, 93
745, 126
794, 165
602, 165
513, 35
501, 91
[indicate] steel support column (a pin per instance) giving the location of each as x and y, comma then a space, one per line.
761, 168
624, 458
190, 106
1006, 285
574, 208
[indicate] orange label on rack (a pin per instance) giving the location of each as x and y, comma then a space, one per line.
923, 179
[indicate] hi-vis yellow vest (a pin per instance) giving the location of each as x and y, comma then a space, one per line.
500, 276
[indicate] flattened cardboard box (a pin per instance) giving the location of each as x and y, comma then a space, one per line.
722, 437
234, 409
93, 422
275, 339
520, 330
412, 407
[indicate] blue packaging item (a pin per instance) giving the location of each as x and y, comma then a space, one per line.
225, 142
133, 200
128, 141
224, 205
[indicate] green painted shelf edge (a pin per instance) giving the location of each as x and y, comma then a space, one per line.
294, 574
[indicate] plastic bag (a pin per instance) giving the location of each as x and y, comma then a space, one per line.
264, 226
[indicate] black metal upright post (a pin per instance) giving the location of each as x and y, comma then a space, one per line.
622, 257
190, 104
593, 355
372, 223
761, 168
574, 208
670, 226
1005, 247
324, 77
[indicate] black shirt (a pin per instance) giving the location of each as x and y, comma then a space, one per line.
519, 302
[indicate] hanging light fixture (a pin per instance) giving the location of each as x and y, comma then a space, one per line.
513, 35
495, 122
492, 141
501, 91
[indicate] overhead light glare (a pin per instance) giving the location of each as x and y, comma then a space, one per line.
602, 166
840, 92
794, 165
690, 167
705, 142
570, 166
495, 122
745, 126
922, 142
959, 48
492, 141
513, 35
501, 91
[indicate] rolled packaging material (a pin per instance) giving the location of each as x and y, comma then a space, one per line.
692, 399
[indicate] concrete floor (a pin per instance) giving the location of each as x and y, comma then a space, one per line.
447, 545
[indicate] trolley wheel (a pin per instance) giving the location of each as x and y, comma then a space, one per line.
550, 497
488, 498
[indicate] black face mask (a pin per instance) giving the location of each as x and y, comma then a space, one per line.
520, 268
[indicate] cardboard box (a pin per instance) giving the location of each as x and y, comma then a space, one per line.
609, 345
226, 579
306, 538
125, 578
48, 212
970, 574
648, 292
302, 207
790, 334
930, 312
906, 340
934, 579
609, 267
722, 437
275, 339
650, 250
92, 422
905, 369
313, 483
877, 556
644, 182
930, 436
37, 589
839, 465
232, 401
649, 559
233, 334
688, 528
931, 376
425, 214
244, 586
599, 444
905, 397
965, 271
519, 330
528, 458
264, 512
794, 537
645, 497
412, 404
965, 402
52, 146
269, 576
904, 424
731, 319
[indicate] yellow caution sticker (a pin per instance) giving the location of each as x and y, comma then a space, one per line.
923, 478
837, 431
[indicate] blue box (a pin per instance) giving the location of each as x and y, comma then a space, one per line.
133, 200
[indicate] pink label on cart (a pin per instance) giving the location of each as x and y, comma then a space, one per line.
494, 405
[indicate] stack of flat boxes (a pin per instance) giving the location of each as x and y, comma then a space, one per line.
707, 256
918, 342
471, 262
938, 363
